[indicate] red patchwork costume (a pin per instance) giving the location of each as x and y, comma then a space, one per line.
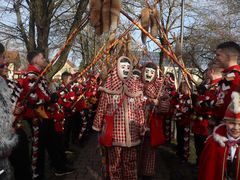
220, 157
153, 137
128, 120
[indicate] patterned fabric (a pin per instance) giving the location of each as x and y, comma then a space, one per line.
79, 89
35, 145
58, 116
113, 84
168, 129
39, 96
135, 85
15, 89
183, 109
128, 120
204, 110
229, 83
122, 163
68, 96
170, 88
186, 141
84, 124
8, 139
147, 158
152, 89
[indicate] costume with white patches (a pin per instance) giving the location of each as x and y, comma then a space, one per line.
228, 84
183, 110
34, 109
128, 120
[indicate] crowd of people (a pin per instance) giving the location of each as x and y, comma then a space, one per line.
38, 116
135, 110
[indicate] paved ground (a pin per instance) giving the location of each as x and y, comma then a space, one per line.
87, 162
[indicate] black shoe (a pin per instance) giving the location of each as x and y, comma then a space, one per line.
64, 171
146, 177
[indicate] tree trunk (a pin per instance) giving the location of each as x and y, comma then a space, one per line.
63, 57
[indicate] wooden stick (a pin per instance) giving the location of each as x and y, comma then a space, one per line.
95, 60
105, 52
72, 35
160, 46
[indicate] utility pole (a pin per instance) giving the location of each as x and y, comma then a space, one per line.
181, 39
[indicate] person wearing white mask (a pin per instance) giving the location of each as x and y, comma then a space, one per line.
120, 119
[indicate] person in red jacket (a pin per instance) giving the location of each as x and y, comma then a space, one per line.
227, 55
183, 110
203, 110
220, 157
38, 117
68, 97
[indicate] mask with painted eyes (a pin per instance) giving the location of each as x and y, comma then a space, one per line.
124, 68
149, 74
136, 74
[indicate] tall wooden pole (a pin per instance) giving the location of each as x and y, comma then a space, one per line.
181, 39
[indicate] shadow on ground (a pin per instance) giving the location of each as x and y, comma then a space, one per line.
87, 162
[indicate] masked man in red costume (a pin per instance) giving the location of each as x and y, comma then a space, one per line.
122, 100
220, 157
153, 92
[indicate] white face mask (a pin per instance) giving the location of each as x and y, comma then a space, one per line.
149, 74
136, 74
124, 70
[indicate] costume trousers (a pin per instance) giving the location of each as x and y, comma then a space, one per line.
199, 144
68, 129
183, 137
167, 125
147, 158
50, 140
122, 163
20, 157
77, 121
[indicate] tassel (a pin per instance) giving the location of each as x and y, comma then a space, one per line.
115, 13
95, 15
154, 26
106, 15
145, 22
